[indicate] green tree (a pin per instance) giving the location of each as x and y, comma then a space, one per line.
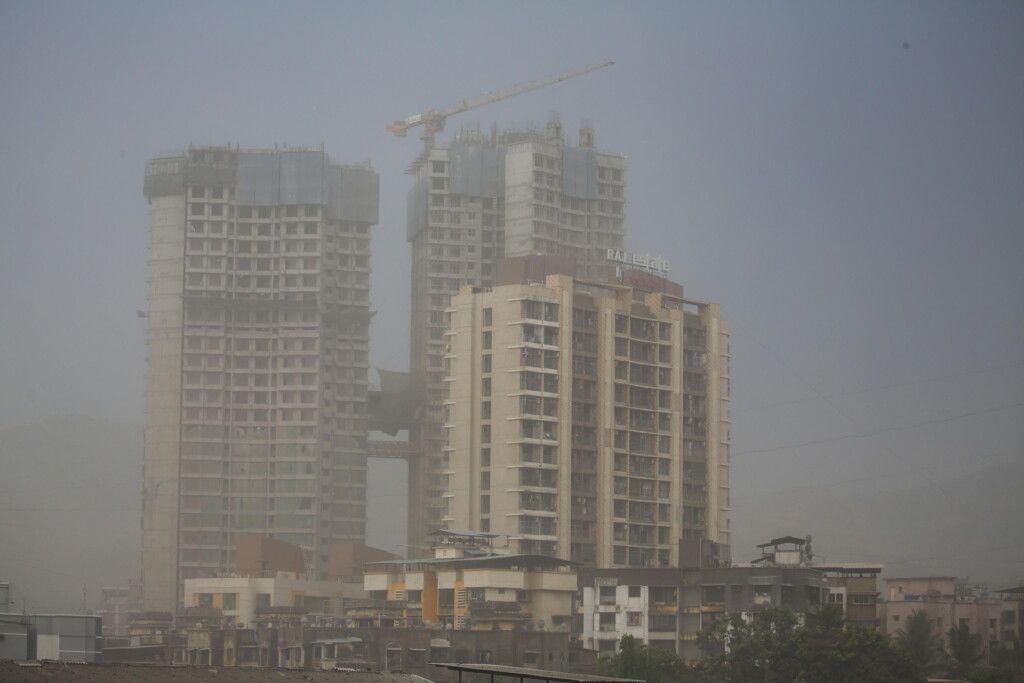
638, 661
1008, 661
924, 646
770, 647
965, 651
853, 655
830, 619
759, 649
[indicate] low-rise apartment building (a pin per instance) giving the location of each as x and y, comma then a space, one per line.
668, 607
587, 420
239, 597
471, 584
1011, 617
946, 601
854, 587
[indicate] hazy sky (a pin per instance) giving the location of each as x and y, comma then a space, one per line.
846, 179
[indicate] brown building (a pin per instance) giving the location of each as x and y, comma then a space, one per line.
345, 560
265, 556
854, 586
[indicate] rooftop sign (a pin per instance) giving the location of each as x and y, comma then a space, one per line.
654, 264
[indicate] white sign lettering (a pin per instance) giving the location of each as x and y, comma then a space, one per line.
654, 264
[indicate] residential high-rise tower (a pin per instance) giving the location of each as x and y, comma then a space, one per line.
257, 358
588, 420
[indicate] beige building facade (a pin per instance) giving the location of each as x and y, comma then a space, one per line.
472, 584
257, 346
588, 421
854, 587
474, 202
238, 597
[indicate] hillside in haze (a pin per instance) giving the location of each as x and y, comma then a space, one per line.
70, 509
70, 513
964, 525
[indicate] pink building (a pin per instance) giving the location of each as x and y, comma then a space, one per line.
947, 602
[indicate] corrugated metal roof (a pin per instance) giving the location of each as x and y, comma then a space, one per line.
534, 674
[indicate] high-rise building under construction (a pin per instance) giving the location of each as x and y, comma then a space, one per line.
257, 357
474, 202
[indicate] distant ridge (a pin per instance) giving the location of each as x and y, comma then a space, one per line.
966, 525
70, 504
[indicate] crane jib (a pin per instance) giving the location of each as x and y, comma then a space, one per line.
438, 115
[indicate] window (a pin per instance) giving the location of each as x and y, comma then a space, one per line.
634, 618
715, 595
634, 591
663, 622
229, 601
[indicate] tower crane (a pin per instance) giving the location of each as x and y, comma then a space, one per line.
433, 120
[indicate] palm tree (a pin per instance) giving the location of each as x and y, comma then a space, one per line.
964, 649
924, 647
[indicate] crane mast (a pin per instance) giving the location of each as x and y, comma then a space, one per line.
433, 120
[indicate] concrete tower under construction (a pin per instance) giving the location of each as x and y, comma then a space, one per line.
257, 358
474, 202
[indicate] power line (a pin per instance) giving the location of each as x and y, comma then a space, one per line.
871, 390
884, 475
865, 433
979, 551
884, 430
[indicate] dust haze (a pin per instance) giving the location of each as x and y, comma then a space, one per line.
846, 180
